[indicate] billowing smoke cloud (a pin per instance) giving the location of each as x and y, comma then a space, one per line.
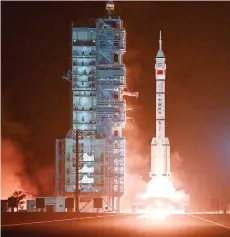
16, 159
136, 154
13, 154
13, 175
138, 163
178, 171
45, 180
179, 177
134, 187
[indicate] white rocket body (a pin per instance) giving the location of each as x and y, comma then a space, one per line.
160, 146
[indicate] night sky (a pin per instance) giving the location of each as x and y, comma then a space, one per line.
196, 41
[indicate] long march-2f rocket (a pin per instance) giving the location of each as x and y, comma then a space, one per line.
160, 146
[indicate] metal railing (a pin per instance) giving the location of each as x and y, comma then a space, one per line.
110, 101
84, 122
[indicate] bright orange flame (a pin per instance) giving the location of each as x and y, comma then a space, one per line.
160, 187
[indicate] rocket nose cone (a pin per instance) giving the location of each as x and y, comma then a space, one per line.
160, 54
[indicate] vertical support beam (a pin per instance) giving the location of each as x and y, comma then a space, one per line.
113, 206
57, 166
118, 204
119, 58
110, 201
77, 175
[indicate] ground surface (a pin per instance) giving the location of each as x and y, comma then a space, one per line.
125, 226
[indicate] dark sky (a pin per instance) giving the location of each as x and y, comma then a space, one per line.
196, 41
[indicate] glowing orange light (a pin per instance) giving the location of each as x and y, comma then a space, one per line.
160, 187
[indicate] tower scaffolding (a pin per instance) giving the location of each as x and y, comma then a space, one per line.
98, 78
111, 108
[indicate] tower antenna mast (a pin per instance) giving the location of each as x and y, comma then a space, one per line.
110, 8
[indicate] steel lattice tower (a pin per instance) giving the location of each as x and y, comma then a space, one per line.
98, 78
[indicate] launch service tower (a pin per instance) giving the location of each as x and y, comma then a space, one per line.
95, 142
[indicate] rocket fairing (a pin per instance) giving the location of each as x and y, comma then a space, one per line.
160, 146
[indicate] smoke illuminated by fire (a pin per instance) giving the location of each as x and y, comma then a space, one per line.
136, 188
13, 176
137, 164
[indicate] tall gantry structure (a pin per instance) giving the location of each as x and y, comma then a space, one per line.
98, 78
